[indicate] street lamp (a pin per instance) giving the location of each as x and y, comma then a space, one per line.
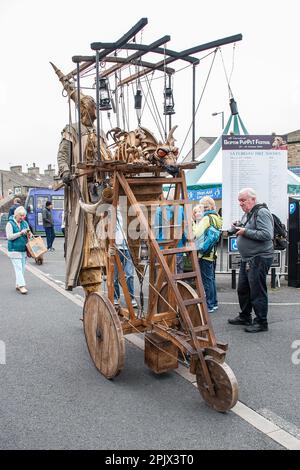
216, 114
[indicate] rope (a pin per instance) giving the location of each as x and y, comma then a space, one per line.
165, 86
157, 117
233, 63
206, 81
128, 114
227, 79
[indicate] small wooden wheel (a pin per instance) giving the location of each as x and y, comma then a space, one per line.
104, 335
187, 293
224, 382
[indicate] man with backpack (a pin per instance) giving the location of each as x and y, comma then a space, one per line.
255, 235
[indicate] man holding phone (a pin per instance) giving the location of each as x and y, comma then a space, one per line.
255, 243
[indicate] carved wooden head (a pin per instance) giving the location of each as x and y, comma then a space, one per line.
165, 154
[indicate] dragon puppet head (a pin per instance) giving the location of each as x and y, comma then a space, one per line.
163, 154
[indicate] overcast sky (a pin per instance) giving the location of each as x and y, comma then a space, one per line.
265, 79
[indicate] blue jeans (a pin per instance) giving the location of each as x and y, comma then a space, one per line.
50, 235
207, 269
179, 263
19, 267
128, 271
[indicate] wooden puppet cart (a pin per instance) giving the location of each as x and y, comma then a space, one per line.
175, 322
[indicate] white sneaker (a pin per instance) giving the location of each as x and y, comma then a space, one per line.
134, 303
23, 290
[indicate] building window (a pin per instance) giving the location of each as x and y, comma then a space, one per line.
41, 201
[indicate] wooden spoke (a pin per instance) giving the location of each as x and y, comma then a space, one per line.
104, 335
224, 382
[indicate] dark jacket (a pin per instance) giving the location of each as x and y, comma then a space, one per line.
258, 237
47, 218
12, 209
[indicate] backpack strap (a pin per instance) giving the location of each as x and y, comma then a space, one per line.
212, 223
254, 212
211, 220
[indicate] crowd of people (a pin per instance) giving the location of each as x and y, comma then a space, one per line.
254, 235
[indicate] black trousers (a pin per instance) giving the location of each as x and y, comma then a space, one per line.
252, 288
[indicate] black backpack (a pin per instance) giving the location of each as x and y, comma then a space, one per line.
280, 232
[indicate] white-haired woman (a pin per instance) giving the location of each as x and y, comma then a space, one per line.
207, 260
17, 230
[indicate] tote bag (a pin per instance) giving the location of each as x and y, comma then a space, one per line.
36, 247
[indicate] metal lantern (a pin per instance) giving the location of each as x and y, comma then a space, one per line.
143, 253
168, 101
104, 99
138, 104
138, 99
233, 106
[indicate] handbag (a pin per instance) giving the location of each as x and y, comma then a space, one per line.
36, 247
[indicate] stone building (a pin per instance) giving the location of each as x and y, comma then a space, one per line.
293, 139
17, 183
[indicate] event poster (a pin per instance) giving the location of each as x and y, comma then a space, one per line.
258, 162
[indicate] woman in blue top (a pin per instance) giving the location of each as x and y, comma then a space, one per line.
207, 261
16, 233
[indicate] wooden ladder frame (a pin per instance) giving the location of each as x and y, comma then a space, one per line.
193, 344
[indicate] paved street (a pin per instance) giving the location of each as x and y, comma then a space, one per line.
52, 397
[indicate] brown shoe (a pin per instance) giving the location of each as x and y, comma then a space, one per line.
23, 290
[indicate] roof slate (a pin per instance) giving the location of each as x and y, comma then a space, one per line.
30, 181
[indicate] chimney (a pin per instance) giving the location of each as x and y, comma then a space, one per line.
33, 170
16, 168
50, 171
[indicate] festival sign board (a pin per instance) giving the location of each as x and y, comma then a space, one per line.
258, 162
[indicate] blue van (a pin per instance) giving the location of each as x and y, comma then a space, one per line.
35, 203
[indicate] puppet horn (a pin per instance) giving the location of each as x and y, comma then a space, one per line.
68, 86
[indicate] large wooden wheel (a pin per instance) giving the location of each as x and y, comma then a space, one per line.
104, 335
224, 383
187, 293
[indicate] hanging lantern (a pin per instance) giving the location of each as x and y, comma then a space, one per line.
138, 99
233, 106
143, 253
138, 104
104, 99
168, 102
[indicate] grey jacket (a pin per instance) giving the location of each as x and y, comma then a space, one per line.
258, 237
47, 218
